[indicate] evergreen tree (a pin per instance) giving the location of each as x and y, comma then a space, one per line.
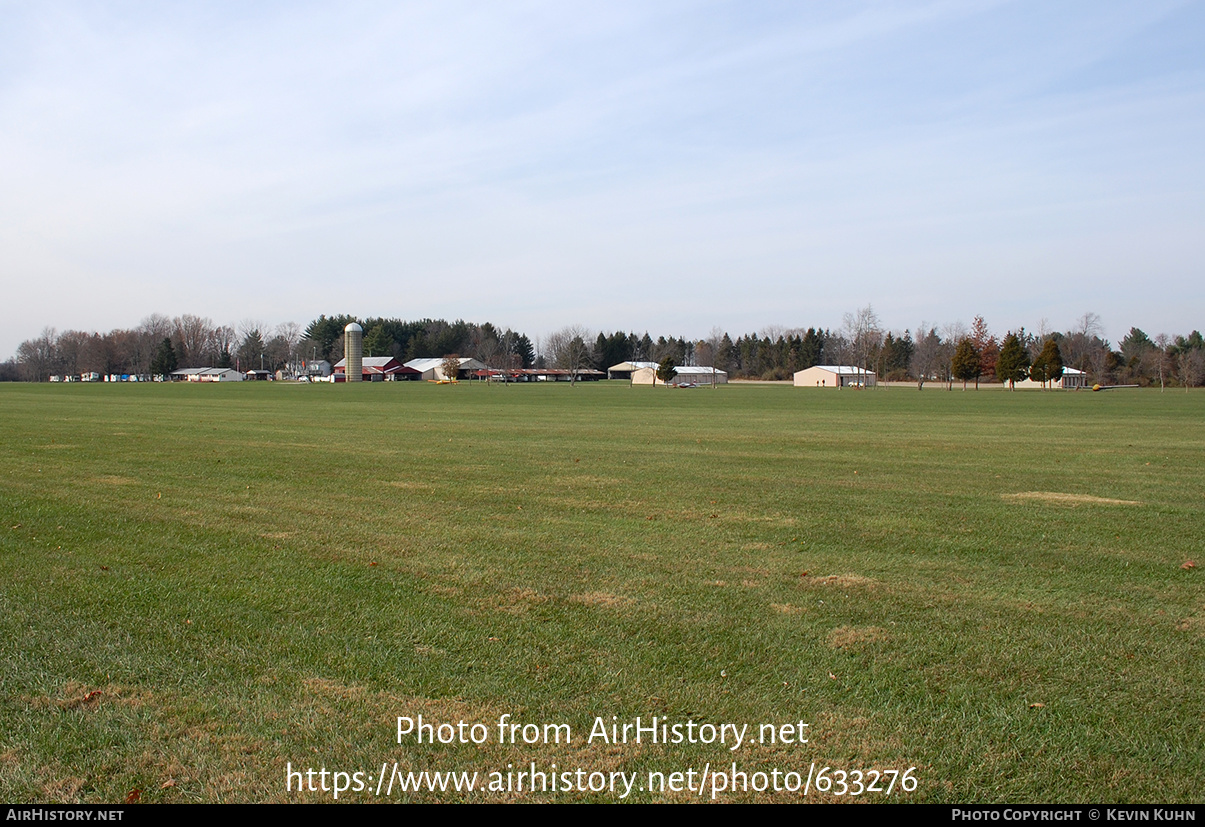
165, 360
325, 332
746, 347
251, 351
645, 351
811, 349
1037, 368
1012, 365
665, 370
633, 348
377, 341
965, 364
900, 358
600, 351
1054, 362
525, 351
726, 357
1048, 367
613, 349
1134, 346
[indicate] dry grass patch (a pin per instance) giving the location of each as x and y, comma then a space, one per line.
65, 790
255, 510
420, 486
80, 696
110, 479
334, 689
585, 480
766, 519
787, 609
845, 581
611, 601
515, 601
852, 637
445, 591
1065, 499
1192, 624
584, 502
834, 732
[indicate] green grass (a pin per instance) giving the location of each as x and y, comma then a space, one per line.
199, 585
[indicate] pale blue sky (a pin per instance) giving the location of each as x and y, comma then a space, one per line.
669, 166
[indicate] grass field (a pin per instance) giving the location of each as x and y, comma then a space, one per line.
202, 585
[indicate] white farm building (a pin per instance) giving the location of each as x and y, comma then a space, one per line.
834, 376
1071, 380
432, 369
624, 370
207, 375
683, 375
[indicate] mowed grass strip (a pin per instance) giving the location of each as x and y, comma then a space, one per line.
199, 585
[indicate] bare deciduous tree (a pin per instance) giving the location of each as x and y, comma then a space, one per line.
718, 353
1158, 357
508, 358
38, 357
953, 333
926, 355
864, 333
569, 350
194, 335
1084, 349
290, 333
221, 345
1190, 366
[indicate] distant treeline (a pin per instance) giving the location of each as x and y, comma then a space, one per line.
160, 344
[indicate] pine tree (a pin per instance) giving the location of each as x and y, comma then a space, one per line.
899, 358
987, 347
602, 355
1013, 363
377, 341
811, 349
165, 359
665, 370
646, 348
525, 351
1048, 367
965, 364
1037, 368
325, 332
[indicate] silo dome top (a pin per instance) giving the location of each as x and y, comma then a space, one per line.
353, 328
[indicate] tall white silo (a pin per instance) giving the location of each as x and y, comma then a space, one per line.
353, 349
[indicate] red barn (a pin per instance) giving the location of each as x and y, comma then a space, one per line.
378, 369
